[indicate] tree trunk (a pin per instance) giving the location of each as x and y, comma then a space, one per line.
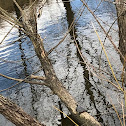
15, 114
121, 13
51, 79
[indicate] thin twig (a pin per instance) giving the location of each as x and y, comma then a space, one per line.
116, 111
5, 13
107, 58
19, 38
70, 28
123, 111
111, 28
109, 37
100, 76
11, 78
66, 115
20, 9
17, 22
9, 20
22, 80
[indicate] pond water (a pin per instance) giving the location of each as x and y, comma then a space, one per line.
94, 94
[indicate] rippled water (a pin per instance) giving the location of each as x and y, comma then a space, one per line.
94, 94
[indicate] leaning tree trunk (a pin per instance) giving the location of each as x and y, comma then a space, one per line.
30, 27
29, 22
121, 13
15, 114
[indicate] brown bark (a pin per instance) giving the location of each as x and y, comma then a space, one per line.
15, 114
121, 13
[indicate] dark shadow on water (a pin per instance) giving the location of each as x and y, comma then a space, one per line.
23, 57
88, 85
64, 121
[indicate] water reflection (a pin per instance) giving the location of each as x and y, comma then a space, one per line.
88, 90
88, 85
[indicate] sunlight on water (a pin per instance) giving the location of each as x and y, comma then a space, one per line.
88, 90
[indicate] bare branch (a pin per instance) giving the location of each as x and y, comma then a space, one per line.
22, 12
5, 13
12, 42
11, 78
70, 28
23, 80
109, 37
14, 25
20, 83
8, 19
38, 77
12, 19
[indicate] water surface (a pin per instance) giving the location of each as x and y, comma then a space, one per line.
94, 94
